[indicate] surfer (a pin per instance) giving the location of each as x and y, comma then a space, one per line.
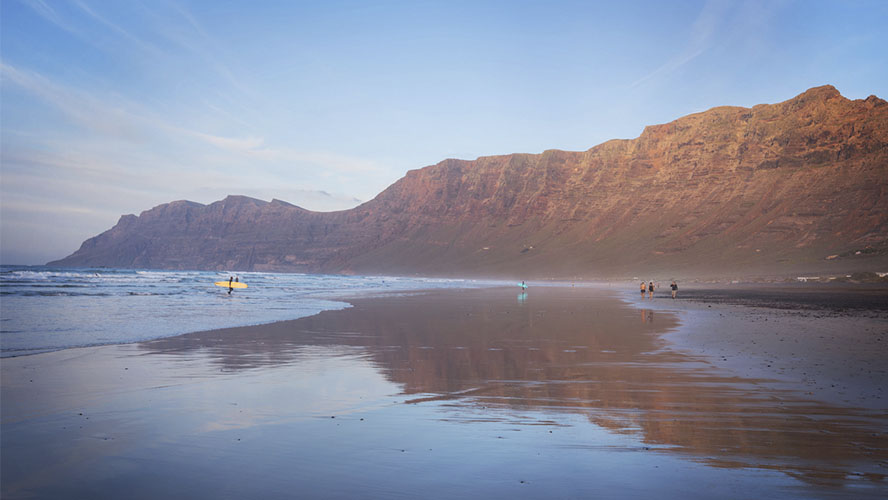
674, 287
231, 283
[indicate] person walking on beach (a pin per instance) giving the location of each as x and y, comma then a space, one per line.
674, 287
230, 288
642, 289
651, 290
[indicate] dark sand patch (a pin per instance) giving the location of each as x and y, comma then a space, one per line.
471, 393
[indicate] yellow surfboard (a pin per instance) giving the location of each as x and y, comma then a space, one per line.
234, 284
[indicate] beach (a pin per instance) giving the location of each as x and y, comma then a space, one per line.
829, 342
556, 392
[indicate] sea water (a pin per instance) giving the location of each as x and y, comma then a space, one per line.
45, 309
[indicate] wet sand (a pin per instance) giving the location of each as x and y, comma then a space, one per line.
559, 392
830, 342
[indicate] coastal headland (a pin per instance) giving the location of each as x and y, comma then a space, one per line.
783, 189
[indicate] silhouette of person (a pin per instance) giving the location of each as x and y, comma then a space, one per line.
674, 287
230, 288
651, 290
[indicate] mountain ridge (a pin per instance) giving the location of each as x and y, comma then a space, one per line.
773, 189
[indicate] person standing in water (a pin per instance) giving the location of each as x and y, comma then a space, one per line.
230, 288
674, 287
642, 289
651, 290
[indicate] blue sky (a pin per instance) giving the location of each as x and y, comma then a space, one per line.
109, 108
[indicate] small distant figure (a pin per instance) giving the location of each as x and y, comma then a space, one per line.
643, 288
230, 288
674, 287
651, 290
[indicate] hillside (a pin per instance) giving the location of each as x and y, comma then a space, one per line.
798, 186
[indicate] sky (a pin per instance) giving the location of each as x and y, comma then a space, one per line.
110, 108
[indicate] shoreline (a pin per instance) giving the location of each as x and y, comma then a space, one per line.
808, 350
728, 327
827, 347
48, 309
443, 391
23, 353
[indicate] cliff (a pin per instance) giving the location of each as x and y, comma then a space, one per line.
791, 187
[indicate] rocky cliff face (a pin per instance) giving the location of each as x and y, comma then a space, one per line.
775, 189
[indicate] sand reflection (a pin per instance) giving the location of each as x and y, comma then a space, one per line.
578, 351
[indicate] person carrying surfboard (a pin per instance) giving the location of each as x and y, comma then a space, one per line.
231, 283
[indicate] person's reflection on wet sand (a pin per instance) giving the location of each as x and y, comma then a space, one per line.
647, 316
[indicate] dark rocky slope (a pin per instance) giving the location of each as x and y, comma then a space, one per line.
799, 186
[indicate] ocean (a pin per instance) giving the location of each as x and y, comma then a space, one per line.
47, 309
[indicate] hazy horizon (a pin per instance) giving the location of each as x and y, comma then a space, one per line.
112, 109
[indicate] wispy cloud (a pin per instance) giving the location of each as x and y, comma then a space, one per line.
126, 35
128, 121
67, 20
244, 145
321, 160
81, 107
705, 26
254, 148
197, 40
57, 209
50, 14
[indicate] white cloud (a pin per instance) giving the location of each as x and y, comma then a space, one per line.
81, 107
234, 144
124, 120
323, 160
45, 11
126, 35
251, 148
43, 208
706, 24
